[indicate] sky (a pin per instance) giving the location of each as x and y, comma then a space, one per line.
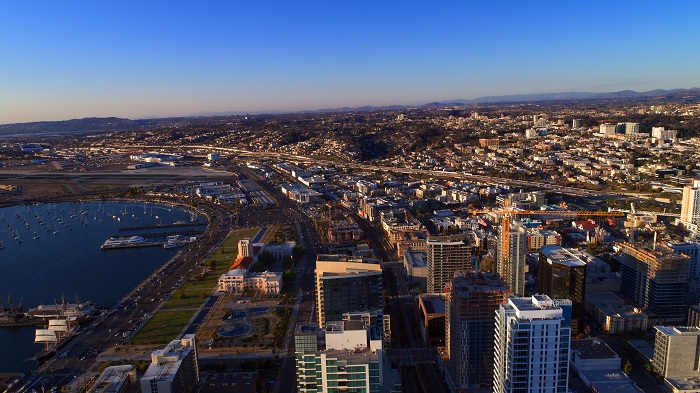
139, 59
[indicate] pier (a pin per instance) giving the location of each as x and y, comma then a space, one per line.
164, 234
161, 226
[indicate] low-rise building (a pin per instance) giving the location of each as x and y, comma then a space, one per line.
239, 280
431, 309
613, 315
415, 263
114, 379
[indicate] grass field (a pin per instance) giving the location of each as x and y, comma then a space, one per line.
174, 315
192, 299
164, 327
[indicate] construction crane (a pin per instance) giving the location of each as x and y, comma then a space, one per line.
508, 213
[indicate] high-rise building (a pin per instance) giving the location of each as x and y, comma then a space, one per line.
562, 275
531, 347
174, 369
510, 255
445, 257
328, 370
690, 207
469, 330
351, 361
607, 129
346, 285
655, 280
677, 351
576, 123
692, 251
631, 128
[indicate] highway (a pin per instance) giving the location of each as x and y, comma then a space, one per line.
573, 191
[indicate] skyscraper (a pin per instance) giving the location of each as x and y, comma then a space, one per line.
631, 128
562, 275
345, 285
469, 336
655, 280
352, 361
531, 347
446, 256
510, 255
690, 207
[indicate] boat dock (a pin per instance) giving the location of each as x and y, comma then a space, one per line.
22, 322
165, 234
161, 226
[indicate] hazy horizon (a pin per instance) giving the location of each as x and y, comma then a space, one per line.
165, 59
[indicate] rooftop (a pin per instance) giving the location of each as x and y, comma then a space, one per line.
592, 348
561, 255
113, 378
608, 381
678, 330
685, 383
432, 303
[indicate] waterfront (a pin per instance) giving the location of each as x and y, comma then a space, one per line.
59, 255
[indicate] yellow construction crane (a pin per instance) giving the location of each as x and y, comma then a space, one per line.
507, 213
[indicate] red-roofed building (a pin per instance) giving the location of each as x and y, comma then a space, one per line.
585, 225
242, 263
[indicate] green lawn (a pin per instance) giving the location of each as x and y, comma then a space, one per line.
193, 299
238, 235
167, 323
164, 327
208, 282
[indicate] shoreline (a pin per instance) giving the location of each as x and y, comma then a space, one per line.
154, 200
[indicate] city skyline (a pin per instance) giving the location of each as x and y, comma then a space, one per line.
148, 60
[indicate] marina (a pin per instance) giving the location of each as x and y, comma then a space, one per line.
65, 259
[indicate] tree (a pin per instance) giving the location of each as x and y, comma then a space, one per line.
626, 366
288, 276
298, 252
487, 264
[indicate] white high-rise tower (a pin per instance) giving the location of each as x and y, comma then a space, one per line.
531, 347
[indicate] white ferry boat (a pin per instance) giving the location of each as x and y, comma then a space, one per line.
121, 242
178, 241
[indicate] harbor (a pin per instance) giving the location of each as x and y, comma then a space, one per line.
40, 271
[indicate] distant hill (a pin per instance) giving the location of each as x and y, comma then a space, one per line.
102, 124
86, 125
568, 96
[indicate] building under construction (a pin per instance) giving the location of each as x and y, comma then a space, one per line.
655, 279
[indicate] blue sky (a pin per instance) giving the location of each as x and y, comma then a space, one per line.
72, 59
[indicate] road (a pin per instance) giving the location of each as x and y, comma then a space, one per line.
416, 362
132, 312
304, 285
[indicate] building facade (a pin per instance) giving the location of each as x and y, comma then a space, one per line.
655, 280
677, 351
690, 207
510, 256
174, 369
469, 329
562, 275
445, 257
346, 285
531, 347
